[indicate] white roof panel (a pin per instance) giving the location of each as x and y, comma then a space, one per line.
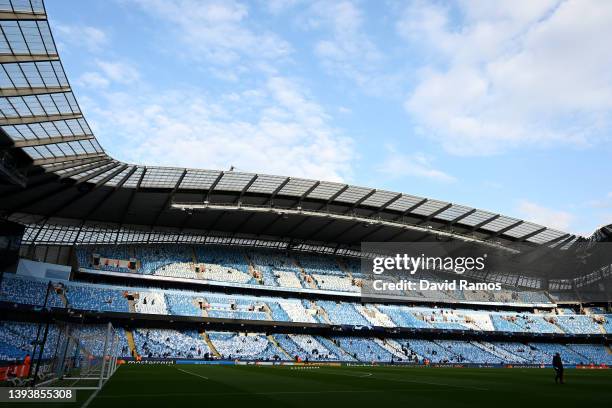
499, 224
353, 194
404, 202
199, 179
234, 181
429, 207
476, 218
266, 184
379, 198
325, 190
296, 187
453, 212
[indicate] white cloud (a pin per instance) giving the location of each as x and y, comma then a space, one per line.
279, 6
547, 217
276, 129
601, 210
92, 38
522, 73
109, 72
605, 202
347, 50
118, 71
219, 31
419, 165
93, 80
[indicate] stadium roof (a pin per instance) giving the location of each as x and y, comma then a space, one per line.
59, 174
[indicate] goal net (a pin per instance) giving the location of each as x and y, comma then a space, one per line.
82, 357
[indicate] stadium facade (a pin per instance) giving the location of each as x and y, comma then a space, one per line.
225, 265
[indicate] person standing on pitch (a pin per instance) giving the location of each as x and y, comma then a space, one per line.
558, 366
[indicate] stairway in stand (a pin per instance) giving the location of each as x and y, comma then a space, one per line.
278, 346
131, 343
210, 344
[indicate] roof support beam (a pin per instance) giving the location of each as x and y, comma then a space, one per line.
216, 221
242, 224
362, 199
169, 199
27, 91
407, 211
265, 229
131, 199
275, 192
25, 120
370, 233
335, 195
81, 194
79, 170
310, 190
206, 197
501, 231
28, 58
270, 202
70, 163
299, 205
246, 187
380, 209
485, 222
388, 203
566, 241
415, 206
320, 229
110, 193
433, 214
213, 185
336, 237
51, 140
44, 180
298, 225
462, 216
118, 169
427, 235
329, 200
401, 231
20, 15
52, 160
210, 190
352, 208
536, 232
62, 188
554, 240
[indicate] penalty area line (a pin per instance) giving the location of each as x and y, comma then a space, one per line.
468, 387
379, 377
190, 373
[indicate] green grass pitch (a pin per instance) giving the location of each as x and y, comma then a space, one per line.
146, 386
265, 386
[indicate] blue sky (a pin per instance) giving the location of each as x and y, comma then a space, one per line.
505, 106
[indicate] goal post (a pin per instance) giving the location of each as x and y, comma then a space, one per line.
85, 357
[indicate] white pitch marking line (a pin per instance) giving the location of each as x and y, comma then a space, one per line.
189, 372
350, 375
413, 381
435, 383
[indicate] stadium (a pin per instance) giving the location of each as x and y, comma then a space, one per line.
134, 284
